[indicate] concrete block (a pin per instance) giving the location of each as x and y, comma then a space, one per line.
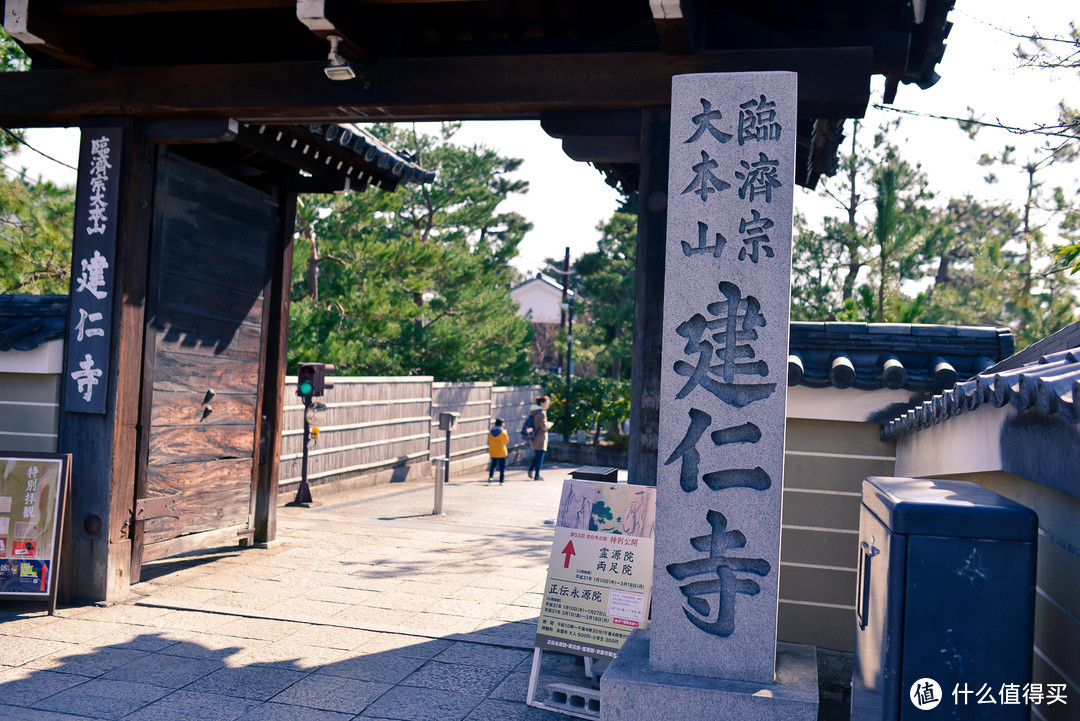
629, 691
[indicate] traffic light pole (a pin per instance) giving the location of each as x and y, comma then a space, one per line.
304, 490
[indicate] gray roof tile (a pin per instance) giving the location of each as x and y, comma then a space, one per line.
1051, 385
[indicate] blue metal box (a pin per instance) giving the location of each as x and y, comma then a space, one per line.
945, 592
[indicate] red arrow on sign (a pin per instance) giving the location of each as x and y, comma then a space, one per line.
568, 552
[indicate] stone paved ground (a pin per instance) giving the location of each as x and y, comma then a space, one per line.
367, 607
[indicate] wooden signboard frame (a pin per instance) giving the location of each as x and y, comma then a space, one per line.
25, 485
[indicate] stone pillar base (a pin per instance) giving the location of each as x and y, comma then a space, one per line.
629, 691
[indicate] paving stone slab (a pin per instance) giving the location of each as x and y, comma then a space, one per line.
190, 621
187, 706
514, 687
439, 624
412, 646
400, 601
306, 610
386, 667
332, 693
286, 712
247, 600
103, 698
72, 630
483, 655
406, 703
16, 650
211, 646
86, 660
339, 637
337, 594
495, 710
16, 713
463, 678
251, 682
288, 655
488, 595
25, 686
127, 613
141, 638
265, 629
166, 671
467, 609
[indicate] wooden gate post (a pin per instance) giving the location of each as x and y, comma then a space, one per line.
264, 521
103, 445
649, 296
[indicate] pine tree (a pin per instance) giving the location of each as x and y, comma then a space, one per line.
414, 282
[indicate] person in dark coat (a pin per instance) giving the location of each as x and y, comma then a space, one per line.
539, 442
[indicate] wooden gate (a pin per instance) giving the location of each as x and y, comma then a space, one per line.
203, 360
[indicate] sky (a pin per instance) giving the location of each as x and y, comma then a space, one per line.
567, 200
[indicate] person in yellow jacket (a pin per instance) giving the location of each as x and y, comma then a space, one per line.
498, 439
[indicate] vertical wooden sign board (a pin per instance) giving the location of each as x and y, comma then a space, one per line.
724, 375
33, 497
93, 261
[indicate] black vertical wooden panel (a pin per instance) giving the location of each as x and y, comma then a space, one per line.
649, 296
86, 382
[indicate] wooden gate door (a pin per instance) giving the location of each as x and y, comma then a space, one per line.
204, 358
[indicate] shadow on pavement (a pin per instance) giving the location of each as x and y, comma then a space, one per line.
159, 676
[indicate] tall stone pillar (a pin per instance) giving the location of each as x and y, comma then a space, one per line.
712, 642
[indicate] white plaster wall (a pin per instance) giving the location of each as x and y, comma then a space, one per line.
968, 443
46, 358
835, 404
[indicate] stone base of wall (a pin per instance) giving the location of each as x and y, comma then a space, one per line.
417, 470
586, 454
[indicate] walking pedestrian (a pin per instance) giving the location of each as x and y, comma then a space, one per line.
498, 439
539, 442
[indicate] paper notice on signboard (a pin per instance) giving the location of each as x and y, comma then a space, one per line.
600, 573
30, 499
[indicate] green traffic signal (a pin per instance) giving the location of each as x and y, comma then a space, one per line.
306, 388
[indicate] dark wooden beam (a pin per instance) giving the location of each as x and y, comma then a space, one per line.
325, 18
619, 122
191, 130
610, 149
833, 82
110, 8
675, 21
38, 29
891, 47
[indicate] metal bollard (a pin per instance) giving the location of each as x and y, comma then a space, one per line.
442, 474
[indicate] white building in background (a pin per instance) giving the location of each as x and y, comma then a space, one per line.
539, 299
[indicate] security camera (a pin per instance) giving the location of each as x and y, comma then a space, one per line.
338, 67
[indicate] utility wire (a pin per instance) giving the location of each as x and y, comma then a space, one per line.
1063, 133
44, 155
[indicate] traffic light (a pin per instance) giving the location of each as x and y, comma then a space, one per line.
306, 382
311, 380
